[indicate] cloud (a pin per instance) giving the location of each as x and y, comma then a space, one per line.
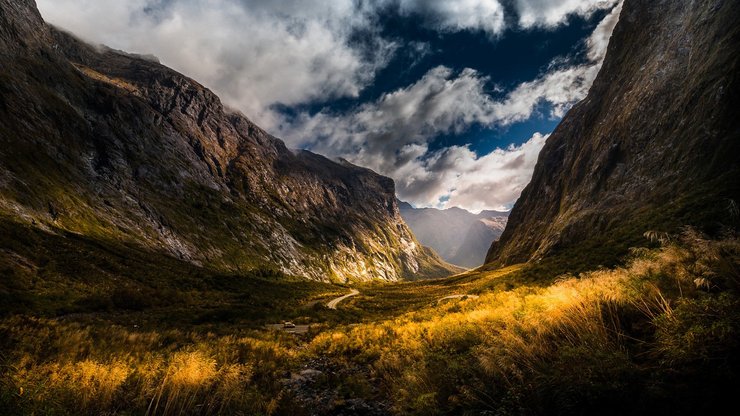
496, 179
489, 15
559, 88
457, 176
445, 15
552, 13
254, 54
599, 40
387, 133
259, 53
394, 135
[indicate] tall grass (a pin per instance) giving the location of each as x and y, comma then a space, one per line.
659, 333
66, 369
607, 339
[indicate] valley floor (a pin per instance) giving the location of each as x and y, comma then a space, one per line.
659, 335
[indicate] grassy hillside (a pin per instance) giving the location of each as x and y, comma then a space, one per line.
60, 275
659, 335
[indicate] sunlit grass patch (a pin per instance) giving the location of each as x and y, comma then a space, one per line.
663, 326
526, 343
149, 373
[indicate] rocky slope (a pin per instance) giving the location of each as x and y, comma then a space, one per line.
117, 147
459, 236
654, 146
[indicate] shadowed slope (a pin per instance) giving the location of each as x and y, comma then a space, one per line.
652, 147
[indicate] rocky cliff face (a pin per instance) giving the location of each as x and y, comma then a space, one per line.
654, 146
118, 147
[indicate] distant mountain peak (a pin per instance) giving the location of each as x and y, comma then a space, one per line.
404, 205
459, 236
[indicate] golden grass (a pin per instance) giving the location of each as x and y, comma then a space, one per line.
514, 336
583, 341
116, 82
69, 369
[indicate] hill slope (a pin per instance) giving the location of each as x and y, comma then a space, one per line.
119, 148
654, 145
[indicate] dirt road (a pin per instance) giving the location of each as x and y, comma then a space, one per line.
298, 329
334, 302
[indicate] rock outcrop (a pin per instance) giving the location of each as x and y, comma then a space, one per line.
653, 147
116, 146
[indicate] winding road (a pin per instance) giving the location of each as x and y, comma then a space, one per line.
334, 302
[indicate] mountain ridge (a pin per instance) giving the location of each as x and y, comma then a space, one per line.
117, 147
653, 146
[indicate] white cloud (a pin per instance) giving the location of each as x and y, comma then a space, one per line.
258, 53
459, 177
559, 88
445, 15
496, 179
489, 15
394, 134
551, 13
599, 40
254, 54
385, 134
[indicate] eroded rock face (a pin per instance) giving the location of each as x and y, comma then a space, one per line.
118, 147
654, 146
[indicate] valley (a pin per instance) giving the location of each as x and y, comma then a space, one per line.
394, 347
458, 236
161, 254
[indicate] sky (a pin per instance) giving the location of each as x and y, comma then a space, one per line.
452, 99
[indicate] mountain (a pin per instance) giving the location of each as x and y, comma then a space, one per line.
459, 236
653, 147
482, 232
118, 148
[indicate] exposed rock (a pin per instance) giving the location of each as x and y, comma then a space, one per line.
118, 147
654, 146
321, 392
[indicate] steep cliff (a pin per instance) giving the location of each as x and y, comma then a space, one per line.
653, 147
117, 147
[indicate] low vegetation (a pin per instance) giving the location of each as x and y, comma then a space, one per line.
659, 334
